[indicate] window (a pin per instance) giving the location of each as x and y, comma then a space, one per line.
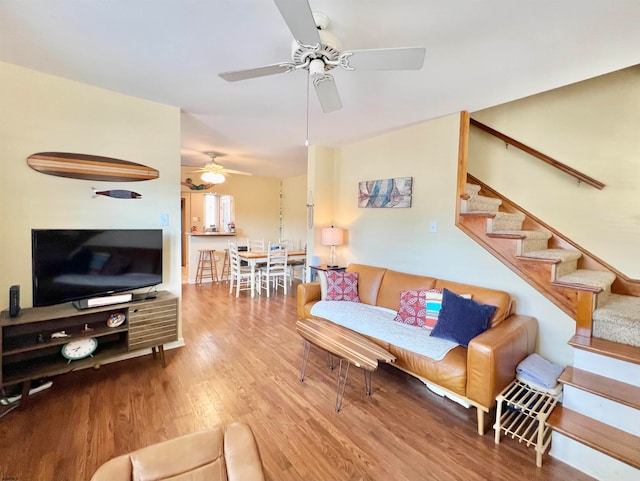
218, 212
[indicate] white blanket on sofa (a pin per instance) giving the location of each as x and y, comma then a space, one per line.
378, 322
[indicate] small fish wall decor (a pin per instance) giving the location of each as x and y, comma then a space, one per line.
117, 193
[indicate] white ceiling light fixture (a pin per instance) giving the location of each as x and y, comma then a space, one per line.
213, 177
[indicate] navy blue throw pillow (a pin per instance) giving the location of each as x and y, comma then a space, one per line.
460, 319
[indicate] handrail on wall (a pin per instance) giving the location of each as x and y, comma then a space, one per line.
539, 155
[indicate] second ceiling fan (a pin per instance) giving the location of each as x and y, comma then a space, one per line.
317, 51
212, 171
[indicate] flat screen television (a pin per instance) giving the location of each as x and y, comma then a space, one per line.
73, 264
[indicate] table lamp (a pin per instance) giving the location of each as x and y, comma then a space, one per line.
332, 236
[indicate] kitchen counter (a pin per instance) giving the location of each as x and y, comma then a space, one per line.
205, 240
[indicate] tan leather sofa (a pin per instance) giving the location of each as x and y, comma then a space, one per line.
223, 453
474, 375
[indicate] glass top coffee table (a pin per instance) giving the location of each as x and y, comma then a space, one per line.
347, 345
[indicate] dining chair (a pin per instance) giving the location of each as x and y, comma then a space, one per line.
240, 275
256, 245
276, 271
297, 264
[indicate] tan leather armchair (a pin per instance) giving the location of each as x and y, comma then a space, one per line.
222, 453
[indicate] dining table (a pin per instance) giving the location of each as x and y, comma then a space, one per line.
254, 257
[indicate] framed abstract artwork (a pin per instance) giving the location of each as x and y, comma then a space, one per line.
385, 193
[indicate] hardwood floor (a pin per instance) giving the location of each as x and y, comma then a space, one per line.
241, 362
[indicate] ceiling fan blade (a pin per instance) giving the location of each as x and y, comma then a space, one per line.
299, 18
231, 171
256, 72
327, 93
411, 58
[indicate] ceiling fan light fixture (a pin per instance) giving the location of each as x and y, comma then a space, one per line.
213, 177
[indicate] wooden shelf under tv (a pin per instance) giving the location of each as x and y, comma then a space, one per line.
28, 350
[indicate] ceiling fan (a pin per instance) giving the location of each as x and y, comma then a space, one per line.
317, 51
212, 171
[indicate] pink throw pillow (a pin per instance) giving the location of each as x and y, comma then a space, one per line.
412, 308
342, 286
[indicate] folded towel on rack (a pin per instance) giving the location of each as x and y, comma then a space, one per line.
538, 370
554, 391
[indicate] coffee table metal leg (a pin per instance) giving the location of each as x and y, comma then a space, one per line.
330, 358
367, 382
306, 347
341, 384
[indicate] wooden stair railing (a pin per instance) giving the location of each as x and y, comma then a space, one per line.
539, 155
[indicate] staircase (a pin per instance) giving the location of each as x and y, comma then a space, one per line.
597, 428
594, 294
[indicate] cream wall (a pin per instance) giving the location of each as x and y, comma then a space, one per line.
256, 199
321, 188
294, 210
591, 126
45, 113
400, 239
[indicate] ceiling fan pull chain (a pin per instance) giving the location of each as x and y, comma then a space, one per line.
306, 142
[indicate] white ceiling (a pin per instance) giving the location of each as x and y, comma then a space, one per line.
479, 54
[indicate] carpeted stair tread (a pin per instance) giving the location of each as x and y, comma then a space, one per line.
486, 200
618, 320
602, 279
471, 189
510, 215
505, 221
479, 203
562, 255
526, 234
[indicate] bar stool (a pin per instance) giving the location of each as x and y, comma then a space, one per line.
226, 267
207, 266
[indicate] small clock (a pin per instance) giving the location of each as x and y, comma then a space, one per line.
79, 349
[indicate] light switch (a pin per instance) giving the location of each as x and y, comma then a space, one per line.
164, 219
433, 226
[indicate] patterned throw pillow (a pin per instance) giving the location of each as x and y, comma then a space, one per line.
433, 304
412, 308
342, 286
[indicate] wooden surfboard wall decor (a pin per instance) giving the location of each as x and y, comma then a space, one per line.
90, 167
